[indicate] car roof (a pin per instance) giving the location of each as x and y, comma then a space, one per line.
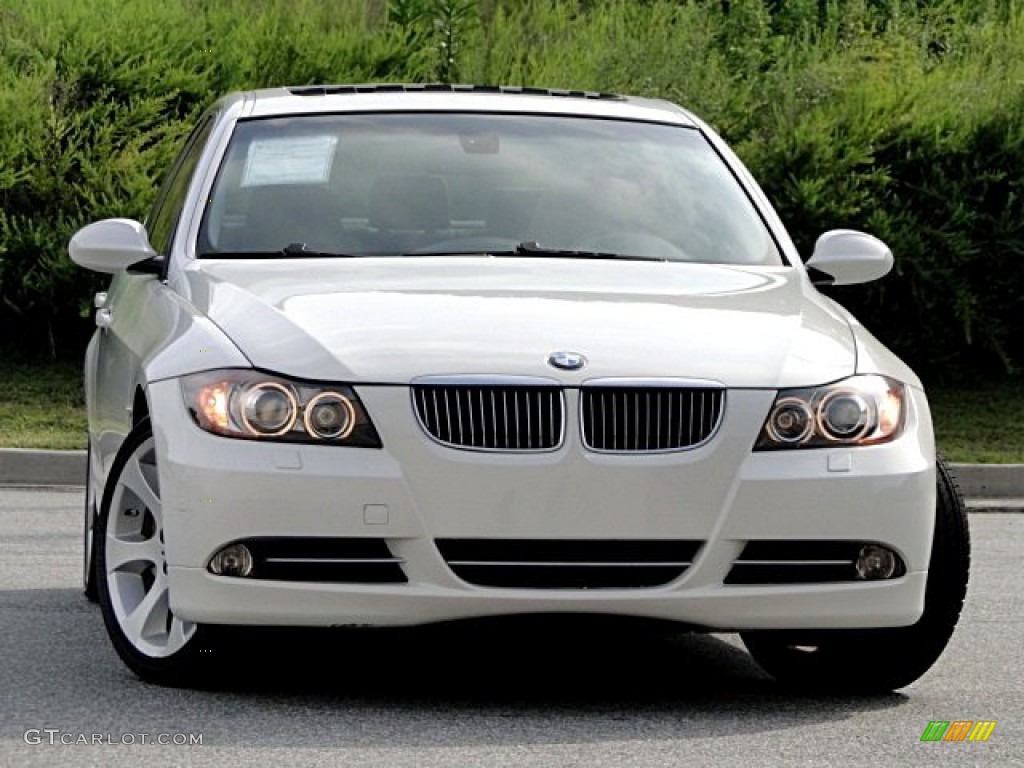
314, 99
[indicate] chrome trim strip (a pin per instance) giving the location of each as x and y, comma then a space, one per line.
559, 564
793, 562
484, 380
336, 560
652, 383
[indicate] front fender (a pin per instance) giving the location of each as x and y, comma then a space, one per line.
192, 343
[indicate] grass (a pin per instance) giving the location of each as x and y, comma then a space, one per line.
42, 406
982, 424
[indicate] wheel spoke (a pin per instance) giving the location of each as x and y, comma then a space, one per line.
133, 479
150, 614
176, 637
120, 552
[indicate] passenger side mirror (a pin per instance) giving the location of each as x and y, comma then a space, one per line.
111, 245
848, 257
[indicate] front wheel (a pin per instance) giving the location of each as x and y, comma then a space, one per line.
131, 571
879, 660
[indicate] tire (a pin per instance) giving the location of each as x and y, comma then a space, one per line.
881, 660
131, 572
88, 547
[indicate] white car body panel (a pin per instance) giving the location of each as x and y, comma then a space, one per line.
392, 320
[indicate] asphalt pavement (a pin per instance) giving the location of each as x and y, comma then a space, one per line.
544, 695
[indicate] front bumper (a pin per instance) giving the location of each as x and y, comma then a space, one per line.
413, 492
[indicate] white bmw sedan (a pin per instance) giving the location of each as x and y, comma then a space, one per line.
392, 355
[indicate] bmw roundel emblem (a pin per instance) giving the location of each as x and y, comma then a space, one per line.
567, 361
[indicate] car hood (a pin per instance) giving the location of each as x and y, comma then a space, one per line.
390, 320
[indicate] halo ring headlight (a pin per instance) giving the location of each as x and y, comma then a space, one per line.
865, 409
329, 416
250, 404
844, 415
269, 409
791, 421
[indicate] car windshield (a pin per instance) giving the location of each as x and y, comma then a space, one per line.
402, 184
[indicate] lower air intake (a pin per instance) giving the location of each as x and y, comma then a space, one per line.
325, 560
567, 564
800, 562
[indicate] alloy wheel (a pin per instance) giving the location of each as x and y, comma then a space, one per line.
134, 560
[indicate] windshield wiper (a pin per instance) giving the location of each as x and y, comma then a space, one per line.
304, 251
527, 248
299, 250
531, 248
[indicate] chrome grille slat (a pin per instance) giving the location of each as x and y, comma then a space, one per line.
551, 411
689, 435
657, 420
679, 417
491, 417
515, 399
648, 418
494, 419
615, 422
647, 421
448, 417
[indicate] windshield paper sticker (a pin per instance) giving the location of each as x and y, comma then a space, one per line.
293, 160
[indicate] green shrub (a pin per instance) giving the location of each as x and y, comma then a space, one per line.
912, 133
901, 117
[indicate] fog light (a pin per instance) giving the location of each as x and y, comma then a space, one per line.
875, 562
233, 560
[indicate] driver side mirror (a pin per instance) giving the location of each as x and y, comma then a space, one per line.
848, 257
111, 245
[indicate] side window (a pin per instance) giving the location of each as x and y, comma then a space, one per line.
163, 218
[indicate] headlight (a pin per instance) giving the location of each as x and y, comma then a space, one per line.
861, 410
261, 406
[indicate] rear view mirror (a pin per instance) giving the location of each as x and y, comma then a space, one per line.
848, 257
